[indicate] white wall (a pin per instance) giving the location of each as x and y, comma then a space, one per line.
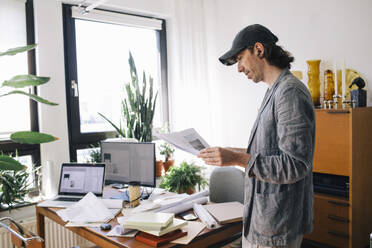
330, 30
50, 62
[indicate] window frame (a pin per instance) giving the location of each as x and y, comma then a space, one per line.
8, 146
78, 140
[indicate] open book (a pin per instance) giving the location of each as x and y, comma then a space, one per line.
187, 140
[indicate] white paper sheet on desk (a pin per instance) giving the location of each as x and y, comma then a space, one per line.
193, 228
112, 203
187, 140
117, 231
88, 209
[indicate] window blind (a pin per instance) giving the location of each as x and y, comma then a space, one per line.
117, 18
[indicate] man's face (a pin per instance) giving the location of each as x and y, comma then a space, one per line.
251, 65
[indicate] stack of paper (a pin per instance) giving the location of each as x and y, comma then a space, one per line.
156, 224
89, 211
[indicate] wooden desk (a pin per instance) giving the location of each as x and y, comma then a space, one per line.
97, 236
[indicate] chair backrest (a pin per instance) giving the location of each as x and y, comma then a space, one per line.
226, 184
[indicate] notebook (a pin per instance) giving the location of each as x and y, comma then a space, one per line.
148, 220
226, 212
176, 224
76, 180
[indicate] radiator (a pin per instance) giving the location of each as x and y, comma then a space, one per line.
56, 235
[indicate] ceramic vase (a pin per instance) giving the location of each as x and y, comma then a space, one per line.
313, 80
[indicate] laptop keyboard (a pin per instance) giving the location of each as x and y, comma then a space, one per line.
72, 199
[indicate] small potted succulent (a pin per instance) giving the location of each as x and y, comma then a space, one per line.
167, 150
184, 178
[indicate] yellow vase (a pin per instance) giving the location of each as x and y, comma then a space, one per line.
314, 82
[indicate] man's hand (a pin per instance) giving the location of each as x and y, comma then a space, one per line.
224, 157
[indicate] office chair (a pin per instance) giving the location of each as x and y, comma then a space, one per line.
20, 236
226, 184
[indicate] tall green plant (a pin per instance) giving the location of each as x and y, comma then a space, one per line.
12, 173
138, 107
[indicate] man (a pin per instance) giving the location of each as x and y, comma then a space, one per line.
278, 197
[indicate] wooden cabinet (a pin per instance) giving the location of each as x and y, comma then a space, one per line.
344, 147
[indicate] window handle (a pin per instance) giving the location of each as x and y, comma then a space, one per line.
75, 88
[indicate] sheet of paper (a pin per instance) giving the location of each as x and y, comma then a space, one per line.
117, 231
88, 209
89, 224
193, 228
112, 203
187, 140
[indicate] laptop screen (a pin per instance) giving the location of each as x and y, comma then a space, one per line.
80, 179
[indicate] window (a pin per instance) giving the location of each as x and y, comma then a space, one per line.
18, 113
97, 48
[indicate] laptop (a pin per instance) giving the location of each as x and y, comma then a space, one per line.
75, 181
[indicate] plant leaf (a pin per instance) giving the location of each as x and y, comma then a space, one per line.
21, 81
9, 163
15, 50
31, 138
32, 96
113, 125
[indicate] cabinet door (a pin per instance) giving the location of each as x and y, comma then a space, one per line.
332, 143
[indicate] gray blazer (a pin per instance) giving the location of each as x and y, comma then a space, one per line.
278, 197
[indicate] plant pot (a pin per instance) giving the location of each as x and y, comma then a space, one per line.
159, 168
189, 191
167, 165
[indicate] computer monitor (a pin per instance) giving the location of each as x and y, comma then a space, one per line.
128, 162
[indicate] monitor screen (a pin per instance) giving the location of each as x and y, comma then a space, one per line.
128, 162
80, 179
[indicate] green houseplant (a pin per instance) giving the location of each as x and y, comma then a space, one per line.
138, 108
13, 176
183, 178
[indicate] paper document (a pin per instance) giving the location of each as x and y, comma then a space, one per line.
89, 209
193, 228
187, 140
117, 231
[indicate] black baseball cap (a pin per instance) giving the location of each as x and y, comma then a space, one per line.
245, 38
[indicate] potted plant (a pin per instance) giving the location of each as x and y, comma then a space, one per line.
183, 178
138, 108
167, 150
13, 176
14, 187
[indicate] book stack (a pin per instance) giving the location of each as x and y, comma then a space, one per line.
160, 228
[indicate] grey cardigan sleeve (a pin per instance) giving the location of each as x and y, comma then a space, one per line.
295, 129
